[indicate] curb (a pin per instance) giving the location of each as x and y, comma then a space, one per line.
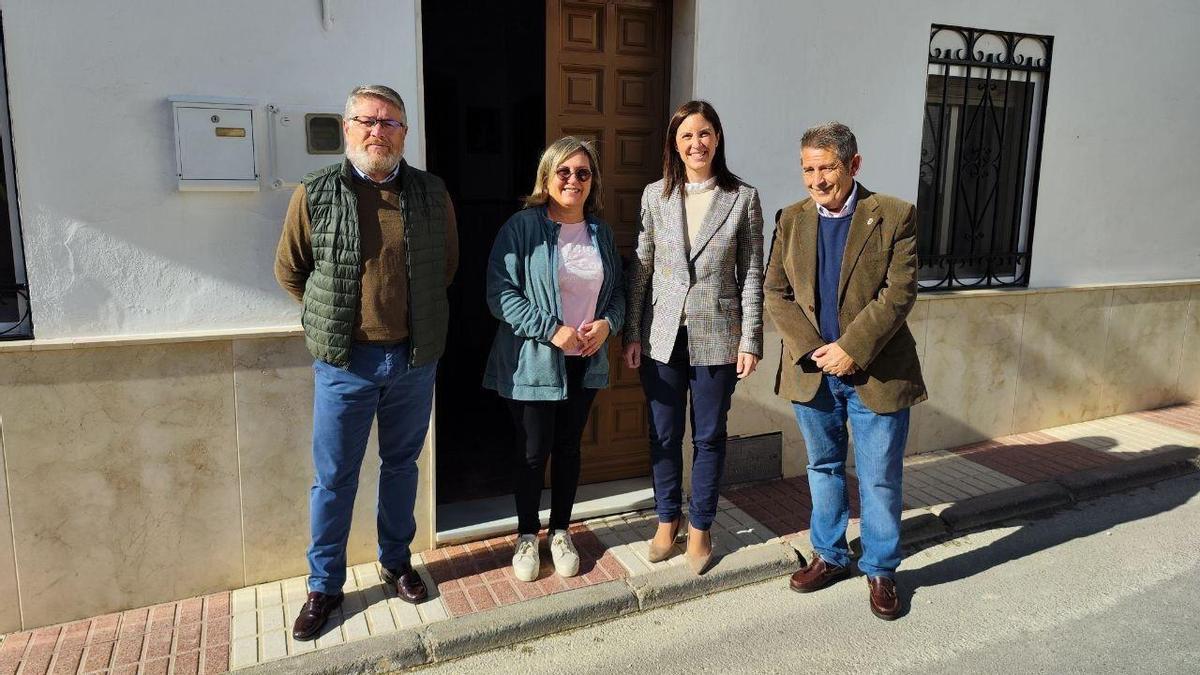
539, 617
1131, 473
1022, 500
509, 624
401, 650
744, 566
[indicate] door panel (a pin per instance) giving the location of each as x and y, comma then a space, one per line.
606, 80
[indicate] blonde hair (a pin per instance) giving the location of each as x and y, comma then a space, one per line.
556, 154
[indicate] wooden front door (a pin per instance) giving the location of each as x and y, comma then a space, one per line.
606, 79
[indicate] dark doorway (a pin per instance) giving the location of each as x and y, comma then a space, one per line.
484, 132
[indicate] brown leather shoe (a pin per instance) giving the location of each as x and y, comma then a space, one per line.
817, 575
313, 614
885, 603
408, 584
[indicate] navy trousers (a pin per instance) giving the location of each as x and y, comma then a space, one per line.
667, 386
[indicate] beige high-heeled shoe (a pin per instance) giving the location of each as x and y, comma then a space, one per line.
700, 560
661, 553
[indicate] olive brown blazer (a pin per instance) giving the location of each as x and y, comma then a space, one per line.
877, 289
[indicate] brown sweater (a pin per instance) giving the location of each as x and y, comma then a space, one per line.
383, 304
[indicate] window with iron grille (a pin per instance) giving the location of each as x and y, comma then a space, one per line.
985, 108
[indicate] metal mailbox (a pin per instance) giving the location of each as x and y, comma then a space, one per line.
214, 144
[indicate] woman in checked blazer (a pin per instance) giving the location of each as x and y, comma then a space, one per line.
694, 317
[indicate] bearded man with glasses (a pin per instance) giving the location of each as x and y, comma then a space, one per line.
369, 245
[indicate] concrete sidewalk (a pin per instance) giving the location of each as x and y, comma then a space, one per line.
477, 604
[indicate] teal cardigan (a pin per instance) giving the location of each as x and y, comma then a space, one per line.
522, 292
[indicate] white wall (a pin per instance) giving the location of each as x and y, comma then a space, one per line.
1119, 166
112, 247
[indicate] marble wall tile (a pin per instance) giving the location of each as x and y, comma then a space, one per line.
757, 409
274, 387
10, 608
1142, 359
918, 325
972, 345
1062, 341
123, 478
1189, 366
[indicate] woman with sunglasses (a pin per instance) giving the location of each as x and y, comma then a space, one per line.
694, 317
555, 283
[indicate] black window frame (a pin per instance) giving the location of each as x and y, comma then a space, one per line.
16, 315
978, 184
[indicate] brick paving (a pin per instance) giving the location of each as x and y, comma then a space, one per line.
166, 638
262, 615
627, 536
1185, 417
784, 505
942, 477
231, 630
1136, 434
1034, 456
478, 576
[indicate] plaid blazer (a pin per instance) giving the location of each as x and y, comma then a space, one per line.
718, 283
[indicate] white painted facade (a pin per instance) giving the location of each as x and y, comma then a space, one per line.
1116, 200
112, 246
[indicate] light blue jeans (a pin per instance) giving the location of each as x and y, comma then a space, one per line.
879, 463
345, 402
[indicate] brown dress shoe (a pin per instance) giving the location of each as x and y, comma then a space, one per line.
313, 614
408, 584
817, 575
885, 603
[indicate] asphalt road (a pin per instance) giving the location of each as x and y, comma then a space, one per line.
1110, 586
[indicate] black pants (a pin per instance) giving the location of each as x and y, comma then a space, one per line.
550, 429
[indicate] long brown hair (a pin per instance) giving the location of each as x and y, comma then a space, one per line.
674, 175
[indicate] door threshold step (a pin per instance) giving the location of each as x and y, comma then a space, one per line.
482, 518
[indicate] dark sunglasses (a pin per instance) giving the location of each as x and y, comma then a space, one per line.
564, 174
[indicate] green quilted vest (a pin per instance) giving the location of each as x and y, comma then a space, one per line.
331, 294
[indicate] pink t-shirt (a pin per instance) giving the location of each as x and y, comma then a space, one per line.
580, 275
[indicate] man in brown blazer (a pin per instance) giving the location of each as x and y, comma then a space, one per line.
841, 280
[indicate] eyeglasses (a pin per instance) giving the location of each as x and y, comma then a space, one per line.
370, 122
582, 174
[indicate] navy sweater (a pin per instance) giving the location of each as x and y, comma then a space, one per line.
831, 244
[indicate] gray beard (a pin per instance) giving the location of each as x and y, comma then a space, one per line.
369, 164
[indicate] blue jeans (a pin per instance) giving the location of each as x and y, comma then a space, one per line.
879, 453
345, 402
667, 386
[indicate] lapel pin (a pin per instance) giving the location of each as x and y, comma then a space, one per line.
870, 221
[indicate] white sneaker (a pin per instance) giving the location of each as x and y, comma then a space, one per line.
566, 558
526, 562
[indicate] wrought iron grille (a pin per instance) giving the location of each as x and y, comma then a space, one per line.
985, 108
